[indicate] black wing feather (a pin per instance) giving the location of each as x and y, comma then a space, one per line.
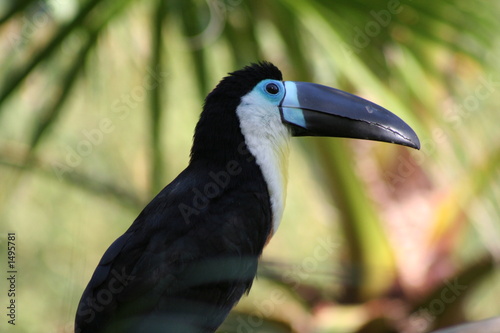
172, 274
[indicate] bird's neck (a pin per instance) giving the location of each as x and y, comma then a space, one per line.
270, 148
262, 141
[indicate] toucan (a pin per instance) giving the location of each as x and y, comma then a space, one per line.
193, 251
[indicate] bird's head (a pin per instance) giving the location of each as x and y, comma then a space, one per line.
258, 100
310, 109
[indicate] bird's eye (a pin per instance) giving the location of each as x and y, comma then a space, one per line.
272, 88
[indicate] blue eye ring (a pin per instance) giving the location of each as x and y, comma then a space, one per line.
272, 88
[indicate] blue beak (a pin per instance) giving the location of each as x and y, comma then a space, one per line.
316, 110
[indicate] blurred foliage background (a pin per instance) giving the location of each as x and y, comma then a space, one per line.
99, 99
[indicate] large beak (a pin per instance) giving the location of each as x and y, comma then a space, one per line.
317, 110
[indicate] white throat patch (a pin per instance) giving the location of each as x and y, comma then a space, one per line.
267, 138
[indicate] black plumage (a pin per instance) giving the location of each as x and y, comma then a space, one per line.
192, 252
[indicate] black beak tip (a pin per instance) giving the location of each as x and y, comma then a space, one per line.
416, 145
412, 144
410, 139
